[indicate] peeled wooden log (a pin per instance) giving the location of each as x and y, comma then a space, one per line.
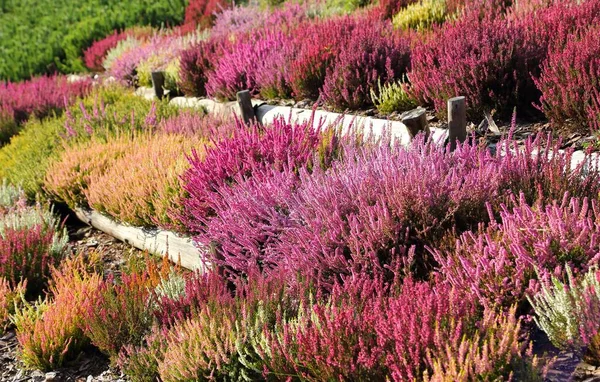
157, 242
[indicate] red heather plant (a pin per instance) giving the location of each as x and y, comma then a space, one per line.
39, 97
49, 331
10, 299
499, 264
31, 242
373, 53
488, 61
121, 313
305, 74
200, 14
197, 63
570, 90
363, 333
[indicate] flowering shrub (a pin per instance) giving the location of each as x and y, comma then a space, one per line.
493, 352
499, 264
39, 97
10, 299
197, 63
152, 190
31, 241
118, 314
49, 331
373, 53
250, 150
389, 8
10, 197
192, 123
570, 92
421, 15
306, 72
200, 14
95, 54
488, 61
237, 68
392, 97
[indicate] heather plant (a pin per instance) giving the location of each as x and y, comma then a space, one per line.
120, 48
543, 172
250, 149
389, 8
121, 313
421, 15
49, 331
392, 97
488, 61
25, 159
306, 72
499, 264
568, 312
11, 299
10, 196
140, 363
237, 68
201, 14
570, 91
166, 58
194, 123
197, 63
96, 53
493, 353
31, 242
39, 97
150, 194
373, 53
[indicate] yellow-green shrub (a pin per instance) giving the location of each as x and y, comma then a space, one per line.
392, 97
421, 15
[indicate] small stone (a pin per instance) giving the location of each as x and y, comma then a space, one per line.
90, 378
92, 243
51, 376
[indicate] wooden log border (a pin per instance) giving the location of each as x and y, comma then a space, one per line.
157, 242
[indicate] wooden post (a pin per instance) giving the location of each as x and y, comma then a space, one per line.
416, 122
158, 83
245, 104
457, 121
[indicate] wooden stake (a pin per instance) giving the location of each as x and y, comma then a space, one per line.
158, 83
416, 122
245, 103
457, 121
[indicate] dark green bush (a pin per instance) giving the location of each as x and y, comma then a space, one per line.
42, 36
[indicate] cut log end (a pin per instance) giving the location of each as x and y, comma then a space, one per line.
245, 104
416, 122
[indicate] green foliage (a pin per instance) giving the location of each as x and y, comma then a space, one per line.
46, 35
421, 15
392, 97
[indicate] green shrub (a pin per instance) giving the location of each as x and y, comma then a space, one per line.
49, 35
421, 15
392, 97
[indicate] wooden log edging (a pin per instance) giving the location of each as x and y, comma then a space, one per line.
157, 242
